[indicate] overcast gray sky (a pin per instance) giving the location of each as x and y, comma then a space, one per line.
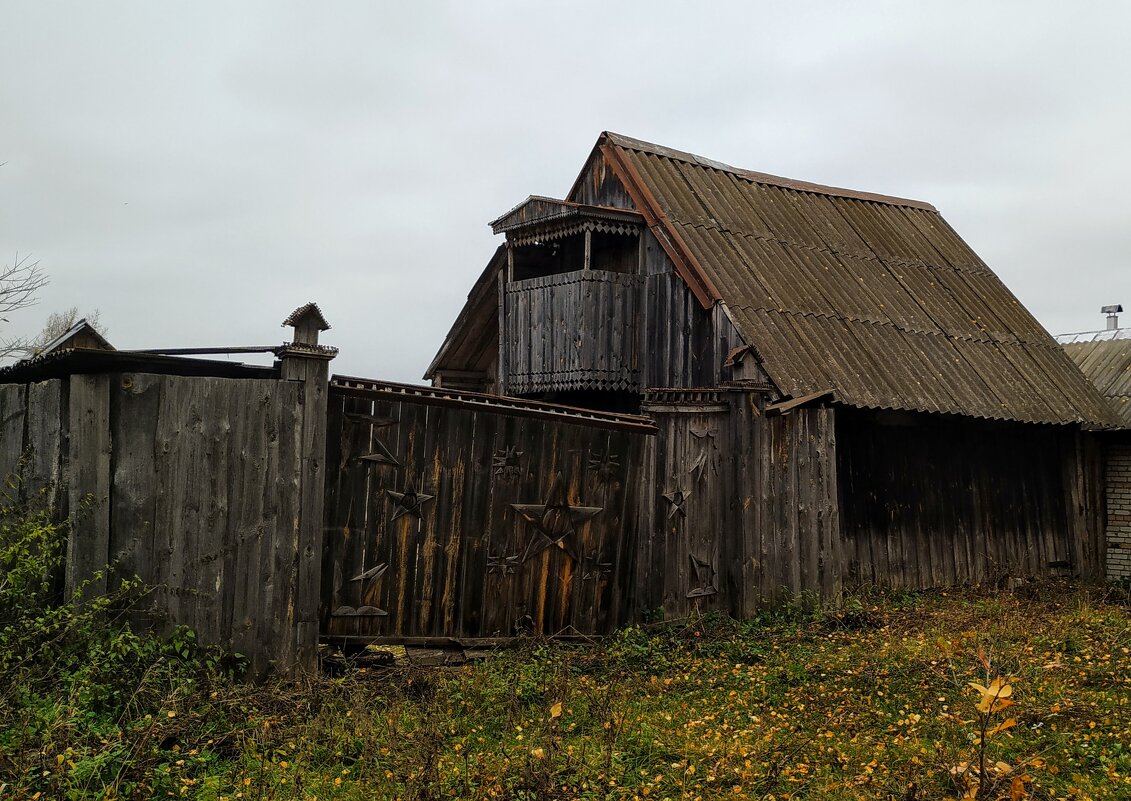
197, 170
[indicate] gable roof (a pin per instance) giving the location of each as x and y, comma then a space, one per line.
873, 297
474, 336
1105, 358
310, 310
81, 330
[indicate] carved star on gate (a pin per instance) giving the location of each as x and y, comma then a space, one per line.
555, 521
676, 499
409, 501
505, 462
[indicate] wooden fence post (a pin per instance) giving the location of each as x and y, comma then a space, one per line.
307, 361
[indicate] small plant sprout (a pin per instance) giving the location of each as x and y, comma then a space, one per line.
984, 779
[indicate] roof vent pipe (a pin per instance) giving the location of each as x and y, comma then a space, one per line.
1112, 313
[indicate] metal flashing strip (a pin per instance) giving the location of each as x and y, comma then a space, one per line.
499, 404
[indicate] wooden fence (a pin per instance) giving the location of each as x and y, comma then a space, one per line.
207, 488
275, 505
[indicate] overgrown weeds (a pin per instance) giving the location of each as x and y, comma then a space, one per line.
871, 700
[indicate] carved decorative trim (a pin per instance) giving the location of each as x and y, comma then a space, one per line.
373, 573
706, 456
361, 611
381, 454
550, 231
704, 576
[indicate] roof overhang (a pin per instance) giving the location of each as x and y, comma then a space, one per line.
544, 212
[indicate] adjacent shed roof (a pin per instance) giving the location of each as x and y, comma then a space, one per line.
873, 297
81, 331
1105, 359
82, 361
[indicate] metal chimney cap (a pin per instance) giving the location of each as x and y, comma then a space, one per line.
1113, 309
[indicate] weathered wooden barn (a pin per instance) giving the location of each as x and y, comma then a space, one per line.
844, 390
685, 387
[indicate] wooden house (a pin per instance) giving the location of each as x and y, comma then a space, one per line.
844, 391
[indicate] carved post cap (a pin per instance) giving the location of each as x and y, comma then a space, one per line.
307, 321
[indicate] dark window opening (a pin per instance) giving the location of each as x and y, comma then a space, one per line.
614, 253
557, 256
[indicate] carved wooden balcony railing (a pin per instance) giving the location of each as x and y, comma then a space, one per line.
572, 331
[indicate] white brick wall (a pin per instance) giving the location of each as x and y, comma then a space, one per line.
1119, 512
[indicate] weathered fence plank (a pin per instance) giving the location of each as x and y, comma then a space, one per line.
88, 547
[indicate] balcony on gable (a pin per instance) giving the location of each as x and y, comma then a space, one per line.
571, 301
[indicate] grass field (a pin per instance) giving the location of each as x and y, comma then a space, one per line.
875, 701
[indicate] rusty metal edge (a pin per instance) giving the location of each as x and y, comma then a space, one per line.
686, 265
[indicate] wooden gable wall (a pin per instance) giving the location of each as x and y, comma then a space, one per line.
682, 345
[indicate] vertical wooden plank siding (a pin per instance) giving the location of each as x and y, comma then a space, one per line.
32, 427
930, 502
44, 444
461, 560
791, 539
572, 331
683, 568
206, 486
13, 419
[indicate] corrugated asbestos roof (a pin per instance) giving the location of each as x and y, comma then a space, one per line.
1106, 360
873, 297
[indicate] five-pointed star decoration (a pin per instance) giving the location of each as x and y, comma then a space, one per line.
409, 501
704, 578
555, 521
502, 565
505, 462
594, 568
606, 465
676, 499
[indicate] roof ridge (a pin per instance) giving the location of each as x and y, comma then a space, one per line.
620, 140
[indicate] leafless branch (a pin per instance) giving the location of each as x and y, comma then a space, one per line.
19, 282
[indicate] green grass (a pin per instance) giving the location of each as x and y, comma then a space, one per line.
872, 702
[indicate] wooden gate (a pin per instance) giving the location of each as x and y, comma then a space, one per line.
463, 515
